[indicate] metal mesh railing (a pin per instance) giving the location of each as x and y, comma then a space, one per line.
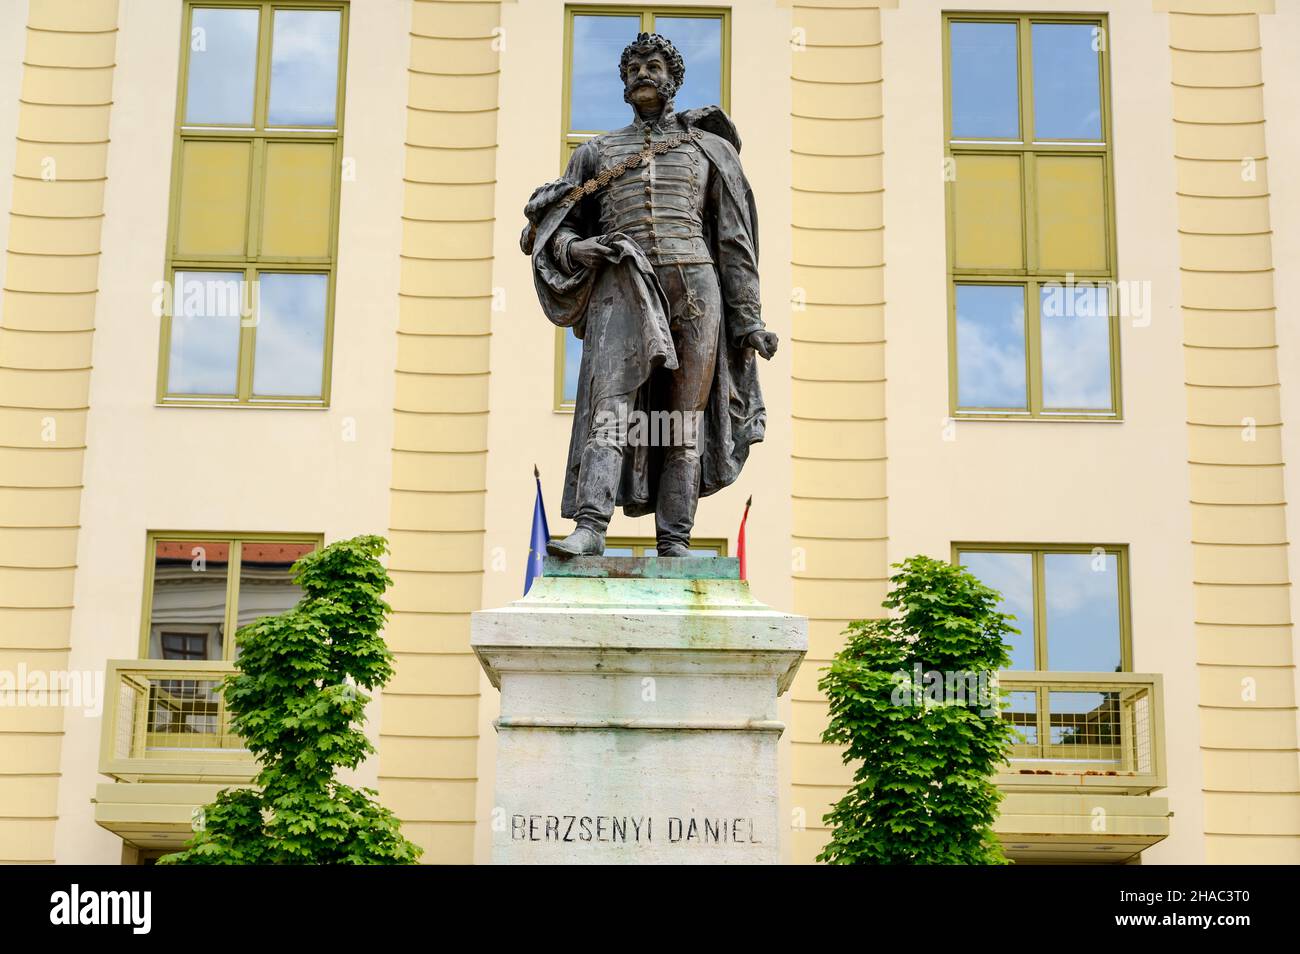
168, 714
130, 694
187, 714
1081, 725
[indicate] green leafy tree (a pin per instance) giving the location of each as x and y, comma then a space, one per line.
297, 700
923, 790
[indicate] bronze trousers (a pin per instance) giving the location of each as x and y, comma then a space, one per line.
695, 303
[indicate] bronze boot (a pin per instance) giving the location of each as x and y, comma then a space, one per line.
583, 541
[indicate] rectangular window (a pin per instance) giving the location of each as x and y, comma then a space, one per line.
594, 38
184, 645
1071, 606
200, 588
1033, 330
1070, 602
645, 547
253, 234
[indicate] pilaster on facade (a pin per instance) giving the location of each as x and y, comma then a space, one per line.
429, 729
46, 330
1244, 626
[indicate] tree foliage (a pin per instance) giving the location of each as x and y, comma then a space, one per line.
923, 790
297, 700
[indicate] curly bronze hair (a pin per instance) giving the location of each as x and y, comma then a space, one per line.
647, 43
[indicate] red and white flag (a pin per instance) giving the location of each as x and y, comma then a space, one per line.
740, 539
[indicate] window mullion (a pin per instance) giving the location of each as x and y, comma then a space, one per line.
165, 335
340, 85
247, 328
1029, 211
232, 599
1041, 662
327, 349
248, 334
1040, 612
1043, 719
724, 82
146, 614
1125, 620
1116, 381
336, 200
256, 185
953, 390
1034, 346
261, 92
1026, 82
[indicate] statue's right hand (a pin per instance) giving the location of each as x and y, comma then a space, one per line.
589, 252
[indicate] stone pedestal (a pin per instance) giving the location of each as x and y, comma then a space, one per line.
638, 714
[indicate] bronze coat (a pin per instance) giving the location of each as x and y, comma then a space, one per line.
622, 306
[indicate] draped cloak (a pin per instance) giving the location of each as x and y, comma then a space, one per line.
621, 313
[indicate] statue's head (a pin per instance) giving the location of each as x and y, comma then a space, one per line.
652, 71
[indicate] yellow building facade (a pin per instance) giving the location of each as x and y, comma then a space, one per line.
364, 164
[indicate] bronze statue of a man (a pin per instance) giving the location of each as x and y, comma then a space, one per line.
648, 249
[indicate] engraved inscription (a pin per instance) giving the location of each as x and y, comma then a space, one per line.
634, 829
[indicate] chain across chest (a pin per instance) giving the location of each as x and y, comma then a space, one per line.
614, 167
683, 162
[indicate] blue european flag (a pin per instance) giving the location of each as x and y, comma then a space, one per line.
537, 542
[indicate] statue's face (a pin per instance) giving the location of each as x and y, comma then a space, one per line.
647, 80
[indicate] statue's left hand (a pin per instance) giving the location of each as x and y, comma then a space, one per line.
764, 342
590, 252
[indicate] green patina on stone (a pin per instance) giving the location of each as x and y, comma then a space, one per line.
643, 568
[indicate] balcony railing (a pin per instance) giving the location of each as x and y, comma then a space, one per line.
1081, 729
165, 719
